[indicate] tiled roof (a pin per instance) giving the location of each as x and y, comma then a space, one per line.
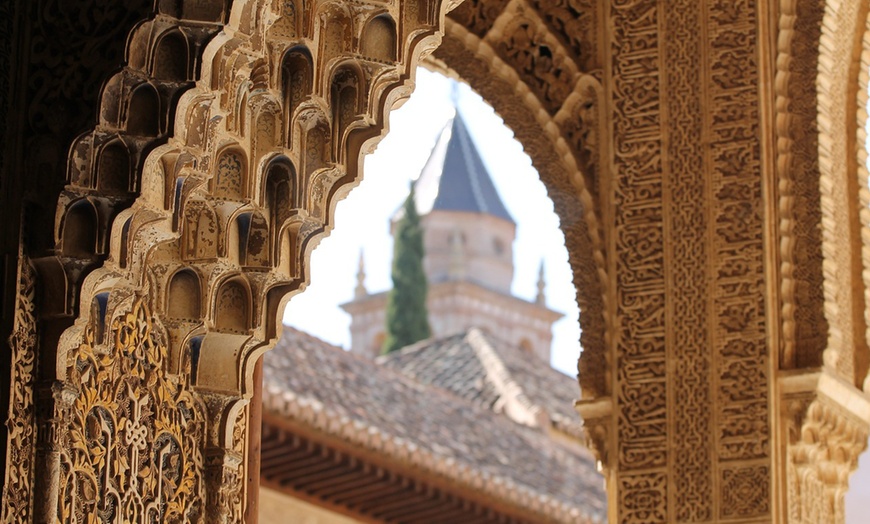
381, 409
479, 366
455, 179
448, 363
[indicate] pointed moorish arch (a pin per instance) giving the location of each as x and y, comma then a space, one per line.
346, 100
568, 181
565, 83
829, 416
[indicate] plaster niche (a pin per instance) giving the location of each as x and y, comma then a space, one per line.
296, 79
337, 27
285, 28
114, 168
197, 121
184, 296
254, 245
200, 231
279, 199
80, 227
266, 133
229, 177
143, 111
99, 309
170, 60
124, 243
232, 306
346, 92
379, 39
279, 192
288, 255
316, 144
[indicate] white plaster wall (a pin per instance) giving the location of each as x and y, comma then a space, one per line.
278, 508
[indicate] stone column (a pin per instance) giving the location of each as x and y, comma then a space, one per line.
54, 400
223, 486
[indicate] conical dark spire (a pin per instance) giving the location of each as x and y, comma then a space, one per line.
455, 179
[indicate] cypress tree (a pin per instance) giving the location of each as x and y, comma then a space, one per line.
407, 318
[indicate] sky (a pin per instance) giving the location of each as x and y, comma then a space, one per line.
362, 219
858, 496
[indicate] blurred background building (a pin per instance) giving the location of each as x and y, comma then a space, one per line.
470, 424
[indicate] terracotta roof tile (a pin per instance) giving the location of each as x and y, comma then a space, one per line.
454, 363
308, 378
449, 363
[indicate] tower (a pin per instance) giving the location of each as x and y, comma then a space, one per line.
468, 239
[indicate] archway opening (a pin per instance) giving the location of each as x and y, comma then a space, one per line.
484, 273
414, 130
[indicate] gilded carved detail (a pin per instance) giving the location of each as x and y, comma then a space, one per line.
18, 487
133, 447
123, 433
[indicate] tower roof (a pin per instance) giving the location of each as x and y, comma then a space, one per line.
455, 179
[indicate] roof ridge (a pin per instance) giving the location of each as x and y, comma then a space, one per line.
408, 379
502, 379
575, 428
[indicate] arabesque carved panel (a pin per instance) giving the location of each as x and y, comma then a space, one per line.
136, 433
18, 490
